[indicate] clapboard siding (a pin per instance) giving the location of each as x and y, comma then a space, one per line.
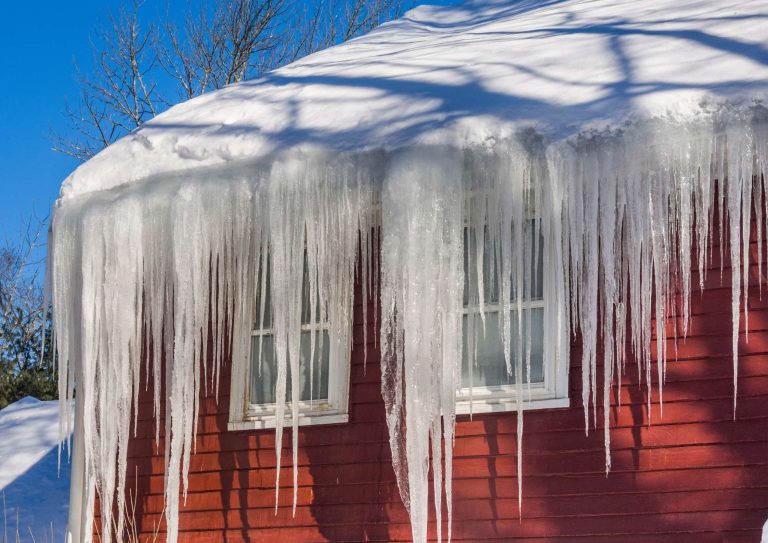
692, 475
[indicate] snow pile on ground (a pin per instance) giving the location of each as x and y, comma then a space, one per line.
30, 481
616, 133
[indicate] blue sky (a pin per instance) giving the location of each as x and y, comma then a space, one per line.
41, 41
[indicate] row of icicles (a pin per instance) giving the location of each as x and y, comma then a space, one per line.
170, 268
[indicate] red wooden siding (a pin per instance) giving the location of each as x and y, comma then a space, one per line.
694, 475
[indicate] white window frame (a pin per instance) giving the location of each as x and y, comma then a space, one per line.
335, 410
553, 392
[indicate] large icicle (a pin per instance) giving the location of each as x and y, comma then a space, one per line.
316, 208
421, 298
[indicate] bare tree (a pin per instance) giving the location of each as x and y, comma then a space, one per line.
329, 22
223, 45
26, 365
122, 91
218, 43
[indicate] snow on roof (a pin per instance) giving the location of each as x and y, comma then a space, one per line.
465, 75
30, 481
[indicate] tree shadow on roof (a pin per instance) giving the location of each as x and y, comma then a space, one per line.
459, 93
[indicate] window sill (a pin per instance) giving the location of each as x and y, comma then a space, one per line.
501, 405
264, 423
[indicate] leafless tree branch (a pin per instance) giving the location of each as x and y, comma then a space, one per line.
217, 43
221, 44
122, 92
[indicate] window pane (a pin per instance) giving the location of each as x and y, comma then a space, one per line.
491, 269
259, 322
263, 385
490, 281
309, 312
491, 369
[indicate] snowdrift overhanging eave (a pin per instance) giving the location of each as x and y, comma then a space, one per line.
465, 75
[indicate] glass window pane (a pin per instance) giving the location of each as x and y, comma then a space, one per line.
309, 311
264, 374
491, 269
260, 324
263, 382
319, 366
537, 273
490, 280
491, 369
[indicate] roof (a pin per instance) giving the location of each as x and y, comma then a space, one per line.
466, 75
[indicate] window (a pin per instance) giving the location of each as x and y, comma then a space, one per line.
323, 365
486, 385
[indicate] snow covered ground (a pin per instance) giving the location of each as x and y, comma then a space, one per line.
34, 490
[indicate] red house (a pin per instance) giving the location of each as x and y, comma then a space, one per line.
514, 250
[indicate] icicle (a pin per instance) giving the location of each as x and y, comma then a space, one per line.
421, 296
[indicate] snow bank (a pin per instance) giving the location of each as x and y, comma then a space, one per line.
30, 480
613, 132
